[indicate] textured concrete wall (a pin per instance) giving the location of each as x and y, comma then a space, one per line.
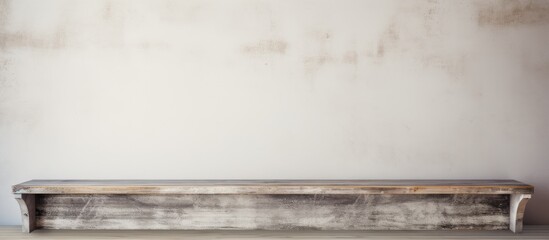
274, 89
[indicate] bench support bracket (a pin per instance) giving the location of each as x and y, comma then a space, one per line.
26, 203
518, 205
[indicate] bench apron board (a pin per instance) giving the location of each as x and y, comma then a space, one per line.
273, 204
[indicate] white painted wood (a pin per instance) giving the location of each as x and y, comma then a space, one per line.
27, 205
517, 207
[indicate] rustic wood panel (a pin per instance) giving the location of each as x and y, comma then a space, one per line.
273, 212
273, 187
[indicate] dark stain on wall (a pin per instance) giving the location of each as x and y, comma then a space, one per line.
416, 31
55, 40
430, 15
107, 10
513, 13
23, 39
350, 57
313, 63
5, 84
111, 33
320, 53
266, 47
319, 37
389, 39
108, 28
397, 36
319, 41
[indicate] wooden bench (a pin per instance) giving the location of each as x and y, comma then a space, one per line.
273, 204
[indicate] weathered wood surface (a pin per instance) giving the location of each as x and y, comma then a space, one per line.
27, 204
273, 212
517, 208
14, 233
273, 187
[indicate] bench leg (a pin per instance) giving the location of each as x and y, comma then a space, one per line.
26, 203
518, 205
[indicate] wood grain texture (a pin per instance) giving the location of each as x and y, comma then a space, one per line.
273, 212
273, 187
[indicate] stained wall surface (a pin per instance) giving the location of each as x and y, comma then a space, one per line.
262, 89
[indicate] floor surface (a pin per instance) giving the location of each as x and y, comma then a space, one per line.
14, 233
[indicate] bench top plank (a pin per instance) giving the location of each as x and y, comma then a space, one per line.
272, 187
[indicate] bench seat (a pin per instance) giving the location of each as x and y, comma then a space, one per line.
273, 204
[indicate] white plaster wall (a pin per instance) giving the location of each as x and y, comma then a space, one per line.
274, 89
